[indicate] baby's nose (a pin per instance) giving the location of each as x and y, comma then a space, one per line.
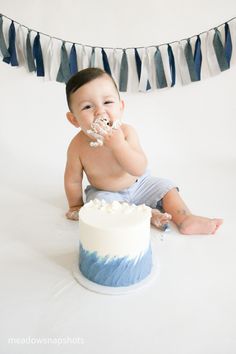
99, 111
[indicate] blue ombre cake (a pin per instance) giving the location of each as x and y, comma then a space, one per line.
115, 248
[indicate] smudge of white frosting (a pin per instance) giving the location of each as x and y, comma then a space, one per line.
101, 127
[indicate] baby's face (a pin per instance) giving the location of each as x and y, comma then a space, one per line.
96, 98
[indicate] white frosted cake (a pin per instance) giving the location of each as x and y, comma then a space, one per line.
115, 247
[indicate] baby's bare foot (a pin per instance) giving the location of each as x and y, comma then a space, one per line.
159, 219
194, 224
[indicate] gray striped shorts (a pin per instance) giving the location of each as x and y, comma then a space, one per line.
146, 190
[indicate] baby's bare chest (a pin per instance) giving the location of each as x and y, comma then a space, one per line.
99, 161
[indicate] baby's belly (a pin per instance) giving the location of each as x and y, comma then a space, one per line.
112, 183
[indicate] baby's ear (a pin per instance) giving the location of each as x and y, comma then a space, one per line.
72, 119
122, 105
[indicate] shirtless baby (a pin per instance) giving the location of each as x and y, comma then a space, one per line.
113, 159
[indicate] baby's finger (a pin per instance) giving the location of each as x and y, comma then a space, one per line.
73, 215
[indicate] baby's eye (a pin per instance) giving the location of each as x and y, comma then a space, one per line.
86, 107
108, 102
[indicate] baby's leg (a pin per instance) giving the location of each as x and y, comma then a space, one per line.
188, 223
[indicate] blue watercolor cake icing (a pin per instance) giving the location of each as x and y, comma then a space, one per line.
115, 248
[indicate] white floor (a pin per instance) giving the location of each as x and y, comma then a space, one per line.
190, 308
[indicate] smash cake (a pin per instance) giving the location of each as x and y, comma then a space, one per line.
115, 245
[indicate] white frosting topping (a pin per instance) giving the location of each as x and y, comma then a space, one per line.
118, 207
114, 229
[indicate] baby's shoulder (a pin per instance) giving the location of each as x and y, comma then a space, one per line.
128, 129
76, 143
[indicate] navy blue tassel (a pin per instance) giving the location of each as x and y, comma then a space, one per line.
138, 63
12, 59
228, 44
38, 55
106, 62
172, 65
198, 58
73, 60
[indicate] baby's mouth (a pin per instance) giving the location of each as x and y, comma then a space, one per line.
104, 119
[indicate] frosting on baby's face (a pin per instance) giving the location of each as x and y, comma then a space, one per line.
101, 126
96, 98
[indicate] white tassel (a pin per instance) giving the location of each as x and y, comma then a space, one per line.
54, 54
182, 64
21, 46
85, 59
48, 60
144, 78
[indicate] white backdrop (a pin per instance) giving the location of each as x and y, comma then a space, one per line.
197, 119
187, 132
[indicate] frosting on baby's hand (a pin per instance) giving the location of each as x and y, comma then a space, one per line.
100, 127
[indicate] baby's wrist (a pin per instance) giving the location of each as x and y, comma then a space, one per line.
75, 207
119, 146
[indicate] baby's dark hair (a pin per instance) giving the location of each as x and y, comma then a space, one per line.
83, 77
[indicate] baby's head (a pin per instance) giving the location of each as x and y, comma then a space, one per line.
90, 93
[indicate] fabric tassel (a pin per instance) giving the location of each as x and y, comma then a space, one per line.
114, 65
92, 58
123, 73
140, 72
64, 69
106, 64
73, 60
3, 46
144, 84
172, 65
48, 60
182, 63
228, 44
160, 72
12, 59
220, 51
54, 57
85, 58
38, 55
138, 63
198, 58
20, 46
190, 60
29, 54
232, 28
212, 61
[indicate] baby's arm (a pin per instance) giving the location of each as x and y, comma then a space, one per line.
127, 150
73, 181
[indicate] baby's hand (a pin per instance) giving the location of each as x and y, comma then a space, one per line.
114, 138
102, 129
73, 213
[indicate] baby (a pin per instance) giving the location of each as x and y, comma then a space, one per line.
110, 155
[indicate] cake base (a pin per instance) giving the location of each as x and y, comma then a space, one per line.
122, 290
